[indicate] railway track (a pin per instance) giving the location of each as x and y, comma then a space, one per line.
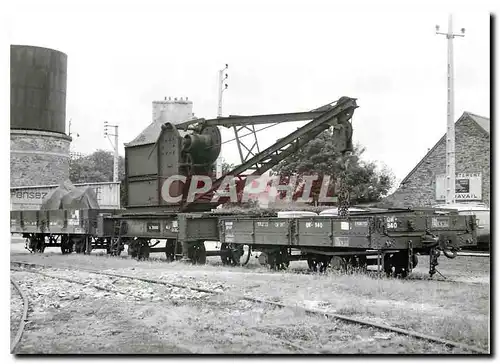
330, 315
22, 322
280, 341
473, 254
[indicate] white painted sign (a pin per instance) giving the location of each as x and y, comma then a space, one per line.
31, 198
467, 187
74, 218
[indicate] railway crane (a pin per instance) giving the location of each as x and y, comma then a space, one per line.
167, 159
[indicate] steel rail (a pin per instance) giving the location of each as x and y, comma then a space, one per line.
477, 255
327, 314
282, 341
22, 323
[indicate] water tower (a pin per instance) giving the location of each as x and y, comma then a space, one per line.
39, 146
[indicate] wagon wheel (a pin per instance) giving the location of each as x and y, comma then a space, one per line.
144, 251
283, 260
396, 265
133, 248
80, 244
401, 264
357, 263
318, 263
388, 265
170, 249
276, 260
338, 263
37, 244
66, 247
197, 253
231, 254
312, 263
115, 246
249, 254
88, 245
225, 254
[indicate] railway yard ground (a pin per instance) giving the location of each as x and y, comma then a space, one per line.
129, 316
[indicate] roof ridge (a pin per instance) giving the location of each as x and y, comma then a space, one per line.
465, 114
471, 113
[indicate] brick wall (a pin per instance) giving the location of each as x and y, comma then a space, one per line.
472, 148
38, 158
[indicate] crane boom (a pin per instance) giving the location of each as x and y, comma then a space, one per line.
337, 116
239, 120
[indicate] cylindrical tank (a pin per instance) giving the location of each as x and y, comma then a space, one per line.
39, 147
37, 89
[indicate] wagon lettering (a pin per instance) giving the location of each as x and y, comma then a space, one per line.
28, 195
74, 219
440, 222
341, 241
152, 227
361, 223
391, 222
175, 226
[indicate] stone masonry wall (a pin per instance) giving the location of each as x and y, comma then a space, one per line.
472, 146
38, 158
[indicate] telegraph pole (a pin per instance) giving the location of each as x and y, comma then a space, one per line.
218, 165
115, 147
221, 89
450, 131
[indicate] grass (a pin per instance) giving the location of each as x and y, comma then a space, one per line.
451, 310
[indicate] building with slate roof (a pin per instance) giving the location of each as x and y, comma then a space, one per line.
164, 111
425, 184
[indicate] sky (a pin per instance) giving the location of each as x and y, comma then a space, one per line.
285, 57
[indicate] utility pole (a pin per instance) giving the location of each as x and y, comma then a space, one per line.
218, 163
72, 154
115, 147
450, 131
69, 129
221, 89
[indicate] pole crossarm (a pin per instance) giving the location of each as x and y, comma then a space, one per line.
337, 116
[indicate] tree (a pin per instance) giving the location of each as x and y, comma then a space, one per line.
365, 182
95, 167
227, 167
98, 167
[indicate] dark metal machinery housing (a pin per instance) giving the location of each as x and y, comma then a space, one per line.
37, 88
